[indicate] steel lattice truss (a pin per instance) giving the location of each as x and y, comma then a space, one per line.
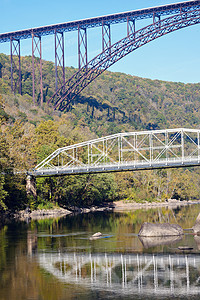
166, 18
141, 14
125, 151
112, 54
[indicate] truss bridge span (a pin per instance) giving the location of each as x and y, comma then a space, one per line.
127, 151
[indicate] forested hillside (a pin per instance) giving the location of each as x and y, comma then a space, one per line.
114, 102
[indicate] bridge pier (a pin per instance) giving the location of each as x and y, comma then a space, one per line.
82, 47
16, 84
59, 59
31, 186
37, 66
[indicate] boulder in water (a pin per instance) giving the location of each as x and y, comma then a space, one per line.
165, 229
196, 227
155, 241
96, 235
185, 248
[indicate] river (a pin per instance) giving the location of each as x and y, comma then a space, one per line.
56, 259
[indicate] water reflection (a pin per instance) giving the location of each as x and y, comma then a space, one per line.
127, 274
31, 242
149, 242
55, 258
197, 240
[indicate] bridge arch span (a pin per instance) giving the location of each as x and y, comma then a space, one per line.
117, 51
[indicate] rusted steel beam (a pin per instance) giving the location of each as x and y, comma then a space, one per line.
59, 59
82, 47
16, 83
37, 84
106, 36
145, 13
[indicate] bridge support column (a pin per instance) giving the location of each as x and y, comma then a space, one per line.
82, 47
31, 186
156, 18
59, 59
130, 26
37, 64
16, 84
106, 36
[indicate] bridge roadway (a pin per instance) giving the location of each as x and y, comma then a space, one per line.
146, 13
129, 151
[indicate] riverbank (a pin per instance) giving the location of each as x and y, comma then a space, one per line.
117, 206
123, 205
58, 212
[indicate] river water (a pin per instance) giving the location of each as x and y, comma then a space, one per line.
56, 259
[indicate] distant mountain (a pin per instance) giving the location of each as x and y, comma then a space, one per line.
117, 102
114, 102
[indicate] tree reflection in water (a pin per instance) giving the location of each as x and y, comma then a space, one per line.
54, 259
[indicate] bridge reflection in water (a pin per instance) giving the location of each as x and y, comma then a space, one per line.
127, 274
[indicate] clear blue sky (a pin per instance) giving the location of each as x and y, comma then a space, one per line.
174, 57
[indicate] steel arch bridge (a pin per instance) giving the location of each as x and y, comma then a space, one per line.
166, 19
120, 49
127, 151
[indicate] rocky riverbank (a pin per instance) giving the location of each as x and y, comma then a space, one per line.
117, 206
57, 212
123, 205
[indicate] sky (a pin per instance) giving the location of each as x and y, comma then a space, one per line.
174, 57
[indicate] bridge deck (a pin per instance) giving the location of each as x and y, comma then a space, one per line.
125, 152
145, 13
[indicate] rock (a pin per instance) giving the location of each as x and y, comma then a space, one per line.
172, 200
76, 209
31, 186
27, 210
196, 227
96, 235
86, 210
197, 240
149, 242
185, 248
165, 229
92, 208
42, 213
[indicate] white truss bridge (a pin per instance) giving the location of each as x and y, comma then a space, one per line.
126, 151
